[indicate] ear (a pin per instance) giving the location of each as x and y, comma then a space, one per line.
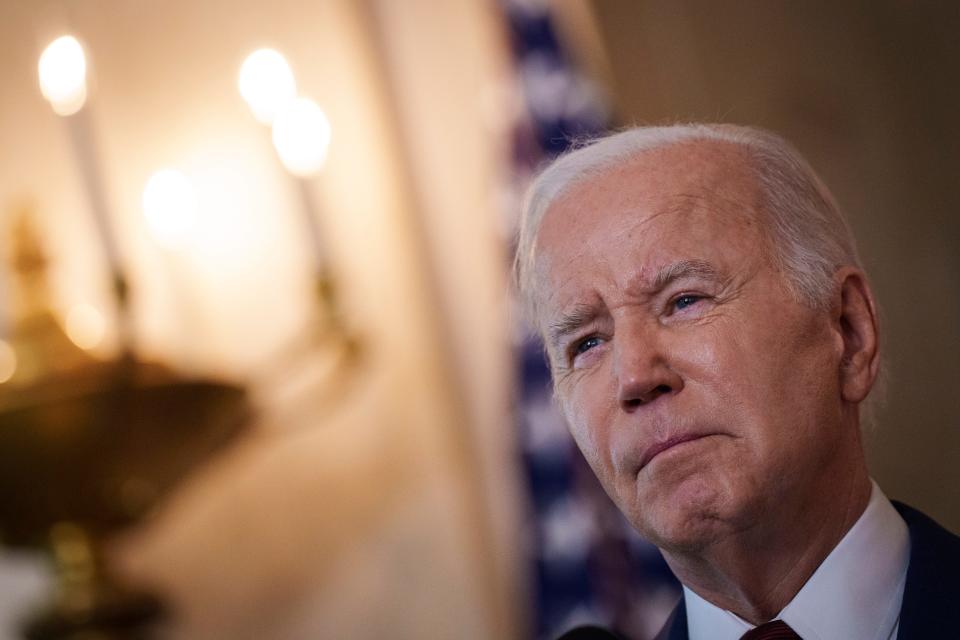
859, 329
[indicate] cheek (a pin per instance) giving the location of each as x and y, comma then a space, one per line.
788, 388
797, 365
707, 358
587, 404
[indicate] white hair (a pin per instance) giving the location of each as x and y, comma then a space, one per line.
808, 234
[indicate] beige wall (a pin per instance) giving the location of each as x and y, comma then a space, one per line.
870, 93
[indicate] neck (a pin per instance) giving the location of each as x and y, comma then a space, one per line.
756, 574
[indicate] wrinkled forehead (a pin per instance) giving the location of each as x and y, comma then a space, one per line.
688, 190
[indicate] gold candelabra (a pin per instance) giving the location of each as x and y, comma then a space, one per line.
87, 448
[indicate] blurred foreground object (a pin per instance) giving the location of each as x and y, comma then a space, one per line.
372, 497
87, 448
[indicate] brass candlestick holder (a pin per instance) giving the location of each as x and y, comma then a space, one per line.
87, 448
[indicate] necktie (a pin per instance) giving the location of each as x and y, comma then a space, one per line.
776, 630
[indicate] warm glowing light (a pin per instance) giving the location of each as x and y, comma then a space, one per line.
63, 75
85, 326
170, 206
301, 135
266, 83
8, 361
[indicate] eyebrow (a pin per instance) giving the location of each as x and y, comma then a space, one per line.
684, 269
583, 314
570, 322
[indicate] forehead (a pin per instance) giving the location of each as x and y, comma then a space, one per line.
697, 200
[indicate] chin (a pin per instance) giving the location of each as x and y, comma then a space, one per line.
683, 516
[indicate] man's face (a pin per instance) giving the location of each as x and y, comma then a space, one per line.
704, 395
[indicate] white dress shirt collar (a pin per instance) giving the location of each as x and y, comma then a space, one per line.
854, 594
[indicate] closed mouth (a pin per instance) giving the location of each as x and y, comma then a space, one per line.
659, 447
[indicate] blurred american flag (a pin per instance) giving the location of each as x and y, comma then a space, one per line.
587, 563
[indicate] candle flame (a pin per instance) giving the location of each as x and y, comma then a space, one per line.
301, 136
266, 83
170, 207
63, 75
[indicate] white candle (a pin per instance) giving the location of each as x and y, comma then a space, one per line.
84, 149
63, 81
300, 133
301, 136
311, 217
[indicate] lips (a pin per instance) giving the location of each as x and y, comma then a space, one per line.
659, 447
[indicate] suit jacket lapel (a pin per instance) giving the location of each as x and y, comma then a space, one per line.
675, 627
933, 580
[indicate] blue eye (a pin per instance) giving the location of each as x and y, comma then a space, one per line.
585, 345
686, 300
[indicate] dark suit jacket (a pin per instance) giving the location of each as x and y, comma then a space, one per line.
931, 597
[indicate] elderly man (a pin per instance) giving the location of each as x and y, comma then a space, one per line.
712, 337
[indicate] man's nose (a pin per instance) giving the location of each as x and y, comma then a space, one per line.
643, 370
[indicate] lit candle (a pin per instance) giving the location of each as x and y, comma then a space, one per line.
63, 81
300, 132
301, 136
